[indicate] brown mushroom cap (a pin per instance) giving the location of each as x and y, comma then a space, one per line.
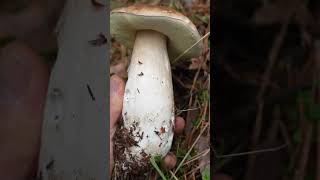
181, 32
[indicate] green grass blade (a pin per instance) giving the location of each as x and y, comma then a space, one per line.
155, 165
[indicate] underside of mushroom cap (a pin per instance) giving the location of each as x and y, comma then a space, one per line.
181, 32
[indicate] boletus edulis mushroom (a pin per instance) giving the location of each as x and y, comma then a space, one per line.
157, 36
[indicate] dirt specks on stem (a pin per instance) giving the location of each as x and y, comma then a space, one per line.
124, 139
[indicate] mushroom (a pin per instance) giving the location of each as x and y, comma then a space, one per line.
156, 35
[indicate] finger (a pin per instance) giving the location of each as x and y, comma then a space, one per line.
116, 99
170, 161
23, 84
179, 125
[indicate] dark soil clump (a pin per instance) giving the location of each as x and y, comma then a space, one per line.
124, 169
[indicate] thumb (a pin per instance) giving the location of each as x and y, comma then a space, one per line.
116, 98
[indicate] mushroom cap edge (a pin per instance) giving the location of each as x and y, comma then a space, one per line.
181, 32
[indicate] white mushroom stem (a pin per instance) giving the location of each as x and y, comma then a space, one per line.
148, 107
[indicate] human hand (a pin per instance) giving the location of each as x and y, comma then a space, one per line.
117, 87
24, 80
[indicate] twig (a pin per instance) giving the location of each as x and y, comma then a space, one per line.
187, 154
195, 169
190, 99
293, 159
253, 152
273, 56
191, 91
317, 99
305, 147
174, 176
300, 172
199, 155
234, 154
179, 112
226, 160
190, 109
203, 114
308, 66
184, 52
180, 82
285, 134
242, 78
274, 128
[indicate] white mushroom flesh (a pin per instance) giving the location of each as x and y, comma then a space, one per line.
148, 107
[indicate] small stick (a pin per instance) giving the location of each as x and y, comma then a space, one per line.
273, 56
185, 157
300, 172
317, 99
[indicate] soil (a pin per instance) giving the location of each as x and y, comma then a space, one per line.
124, 169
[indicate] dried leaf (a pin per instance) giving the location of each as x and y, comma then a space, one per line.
202, 145
196, 63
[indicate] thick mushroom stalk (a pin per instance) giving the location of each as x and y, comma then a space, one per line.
148, 108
